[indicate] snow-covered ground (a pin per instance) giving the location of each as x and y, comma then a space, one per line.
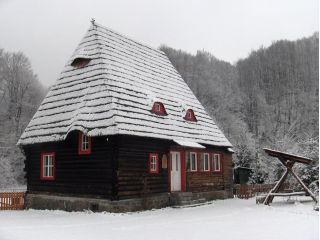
223, 220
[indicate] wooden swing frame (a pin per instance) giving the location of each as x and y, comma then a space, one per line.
287, 160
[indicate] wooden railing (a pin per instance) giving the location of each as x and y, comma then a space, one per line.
12, 200
247, 191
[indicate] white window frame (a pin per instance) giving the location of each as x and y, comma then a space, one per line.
195, 162
48, 166
85, 143
154, 167
216, 162
208, 162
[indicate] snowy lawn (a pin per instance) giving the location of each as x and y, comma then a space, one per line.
222, 220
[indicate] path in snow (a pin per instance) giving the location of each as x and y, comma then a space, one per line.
225, 220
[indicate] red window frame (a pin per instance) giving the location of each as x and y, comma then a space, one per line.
82, 151
151, 170
220, 163
190, 116
47, 178
159, 109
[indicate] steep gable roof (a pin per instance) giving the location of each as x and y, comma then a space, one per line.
114, 94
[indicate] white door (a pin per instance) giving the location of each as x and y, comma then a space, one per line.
175, 171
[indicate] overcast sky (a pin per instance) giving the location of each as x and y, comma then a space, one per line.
49, 31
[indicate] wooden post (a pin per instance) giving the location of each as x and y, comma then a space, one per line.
288, 160
304, 186
276, 188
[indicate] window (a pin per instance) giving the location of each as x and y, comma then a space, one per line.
204, 162
47, 166
84, 144
191, 161
190, 116
80, 62
158, 108
216, 162
153, 163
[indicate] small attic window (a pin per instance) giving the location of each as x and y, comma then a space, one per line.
190, 116
158, 108
80, 62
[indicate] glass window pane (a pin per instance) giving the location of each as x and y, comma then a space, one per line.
188, 161
216, 162
202, 161
177, 167
85, 142
193, 162
206, 162
153, 163
44, 170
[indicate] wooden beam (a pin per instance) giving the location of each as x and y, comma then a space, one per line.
304, 186
276, 188
287, 156
288, 194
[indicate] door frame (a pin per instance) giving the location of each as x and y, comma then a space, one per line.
182, 170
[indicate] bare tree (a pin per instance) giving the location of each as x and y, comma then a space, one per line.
20, 96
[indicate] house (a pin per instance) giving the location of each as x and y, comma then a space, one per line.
120, 125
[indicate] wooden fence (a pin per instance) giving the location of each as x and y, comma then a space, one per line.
12, 200
248, 191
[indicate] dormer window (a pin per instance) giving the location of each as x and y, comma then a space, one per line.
80, 62
190, 116
158, 108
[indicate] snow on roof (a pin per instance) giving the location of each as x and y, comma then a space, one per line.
230, 150
111, 95
188, 143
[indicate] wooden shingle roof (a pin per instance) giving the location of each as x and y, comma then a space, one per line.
115, 92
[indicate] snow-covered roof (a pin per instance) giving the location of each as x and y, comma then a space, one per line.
230, 150
188, 144
113, 94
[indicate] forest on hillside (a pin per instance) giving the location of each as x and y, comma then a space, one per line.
269, 99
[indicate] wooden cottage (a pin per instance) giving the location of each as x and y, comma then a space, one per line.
121, 123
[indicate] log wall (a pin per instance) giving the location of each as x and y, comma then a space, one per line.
212, 181
75, 174
134, 179
117, 168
